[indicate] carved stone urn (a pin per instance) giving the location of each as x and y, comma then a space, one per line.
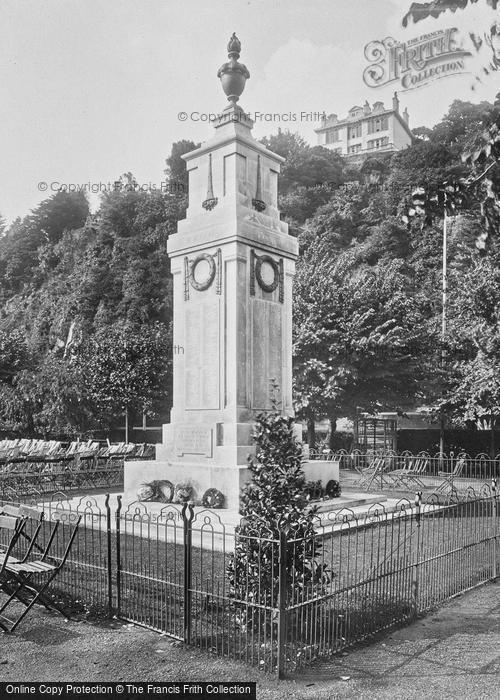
233, 75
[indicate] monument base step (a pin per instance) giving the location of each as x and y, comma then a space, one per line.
350, 499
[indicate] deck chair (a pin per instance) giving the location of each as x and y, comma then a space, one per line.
412, 477
27, 581
397, 476
449, 477
11, 526
370, 474
30, 529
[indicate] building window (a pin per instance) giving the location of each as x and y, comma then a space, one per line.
332, 135
378, 124
354, 149
378, 143
354, 132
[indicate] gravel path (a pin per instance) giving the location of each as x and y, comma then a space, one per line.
453, 653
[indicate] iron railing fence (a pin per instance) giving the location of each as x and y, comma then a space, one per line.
34, 479
389, 568
167, 567
423, 470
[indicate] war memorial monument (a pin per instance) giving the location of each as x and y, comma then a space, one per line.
233, 263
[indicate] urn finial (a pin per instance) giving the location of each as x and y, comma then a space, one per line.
234, 47
233, 75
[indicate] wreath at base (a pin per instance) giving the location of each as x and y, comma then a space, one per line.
213, 498
313, 490
161, 491
183, 493
333, 489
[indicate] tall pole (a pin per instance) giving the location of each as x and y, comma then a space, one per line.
443, 319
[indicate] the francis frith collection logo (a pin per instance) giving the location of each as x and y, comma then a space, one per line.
416, 62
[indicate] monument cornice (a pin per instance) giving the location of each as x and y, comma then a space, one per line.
268, 241
236, 138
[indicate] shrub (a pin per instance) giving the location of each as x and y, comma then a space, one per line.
272, 502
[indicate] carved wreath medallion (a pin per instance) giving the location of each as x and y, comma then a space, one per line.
256, 265
204, 282
267, 286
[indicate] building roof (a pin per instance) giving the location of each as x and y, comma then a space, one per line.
332, 121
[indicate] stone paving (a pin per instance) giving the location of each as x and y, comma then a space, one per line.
454, 652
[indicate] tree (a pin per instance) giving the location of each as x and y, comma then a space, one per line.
47, 400
474, 345
421, 10
14, 354
485, 161
305, 166
64, 211
360, 336
124, 369
45, 225
176, 166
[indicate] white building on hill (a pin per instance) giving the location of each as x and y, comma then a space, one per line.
367, 131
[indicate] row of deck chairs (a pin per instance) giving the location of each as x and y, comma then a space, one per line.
30, 468
379, 472
25, 450
21, 451
30, 559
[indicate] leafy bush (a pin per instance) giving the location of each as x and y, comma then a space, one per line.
273, 501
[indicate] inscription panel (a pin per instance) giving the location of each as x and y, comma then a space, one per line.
267, 352
193, 440
202, 355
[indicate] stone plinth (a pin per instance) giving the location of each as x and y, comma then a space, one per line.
321, 470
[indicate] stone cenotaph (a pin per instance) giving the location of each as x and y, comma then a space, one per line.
233, 263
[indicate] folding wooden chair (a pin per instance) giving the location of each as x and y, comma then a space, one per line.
449, 477
397, 476
32, 522
11, 525
412, 476
370, 474
21, 580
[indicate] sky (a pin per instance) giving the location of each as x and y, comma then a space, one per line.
90, 90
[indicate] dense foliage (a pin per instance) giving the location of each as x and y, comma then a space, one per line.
82, 296
85, 312
368, 286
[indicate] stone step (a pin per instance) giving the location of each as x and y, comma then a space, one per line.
350, 499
